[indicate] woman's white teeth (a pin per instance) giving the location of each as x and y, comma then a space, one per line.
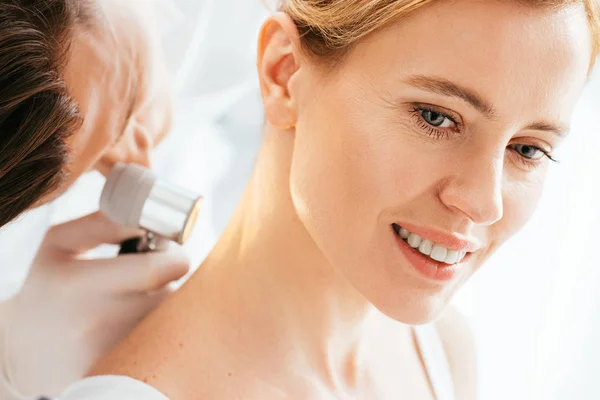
404, 233
438, 253
425, 247
435, 251
414, 240
451, 257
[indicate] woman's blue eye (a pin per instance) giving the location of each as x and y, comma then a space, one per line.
529, 152
436, 119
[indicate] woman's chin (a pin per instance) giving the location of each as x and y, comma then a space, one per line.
418, 313
409, 305
403, 295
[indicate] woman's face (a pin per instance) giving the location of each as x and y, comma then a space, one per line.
117, 76
440, 128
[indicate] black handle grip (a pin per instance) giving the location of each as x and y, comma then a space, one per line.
130, 246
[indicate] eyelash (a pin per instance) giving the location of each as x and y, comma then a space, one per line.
432, 131
534, 163
439, 133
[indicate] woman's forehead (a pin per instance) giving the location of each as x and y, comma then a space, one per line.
514, 55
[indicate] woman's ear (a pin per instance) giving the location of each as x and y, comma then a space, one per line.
278, 60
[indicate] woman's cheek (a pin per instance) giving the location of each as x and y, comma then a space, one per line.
520, 200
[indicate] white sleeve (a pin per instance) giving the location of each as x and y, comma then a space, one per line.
111, 388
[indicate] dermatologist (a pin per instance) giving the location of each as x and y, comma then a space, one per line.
83, 85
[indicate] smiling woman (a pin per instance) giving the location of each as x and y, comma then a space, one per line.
400, 151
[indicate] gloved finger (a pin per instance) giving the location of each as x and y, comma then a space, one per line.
144, 272
86, 233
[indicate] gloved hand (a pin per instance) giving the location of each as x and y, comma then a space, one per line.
72, 310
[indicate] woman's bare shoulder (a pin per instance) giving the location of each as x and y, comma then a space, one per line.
179, 350
459, 343
148, 354
164, 351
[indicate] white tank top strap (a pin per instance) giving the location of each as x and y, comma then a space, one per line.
435, 361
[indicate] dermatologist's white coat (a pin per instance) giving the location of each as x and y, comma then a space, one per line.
112, 388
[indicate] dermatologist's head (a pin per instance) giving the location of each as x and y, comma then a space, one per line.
422, 130
82, 86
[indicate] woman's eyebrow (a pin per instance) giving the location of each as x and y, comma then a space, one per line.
445, 87
558, 129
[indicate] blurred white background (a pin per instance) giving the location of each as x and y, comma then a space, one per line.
535, 307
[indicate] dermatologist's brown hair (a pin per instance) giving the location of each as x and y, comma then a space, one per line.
37, 115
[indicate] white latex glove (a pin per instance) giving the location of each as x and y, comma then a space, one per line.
72, 310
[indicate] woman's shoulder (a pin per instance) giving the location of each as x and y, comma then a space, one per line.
459, 344
178, 349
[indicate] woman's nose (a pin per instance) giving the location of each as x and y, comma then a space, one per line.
475, 190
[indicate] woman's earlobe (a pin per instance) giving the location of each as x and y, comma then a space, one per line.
279, 112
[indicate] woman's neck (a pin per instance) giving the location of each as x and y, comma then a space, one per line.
266, 270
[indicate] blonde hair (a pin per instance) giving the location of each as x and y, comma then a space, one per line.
333, 27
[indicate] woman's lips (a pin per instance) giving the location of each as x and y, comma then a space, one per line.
426, 266
453, 241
